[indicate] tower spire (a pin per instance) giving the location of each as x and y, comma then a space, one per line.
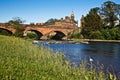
72, 15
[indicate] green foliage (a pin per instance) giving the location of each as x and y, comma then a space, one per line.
106, 34
92, 22
118, 33
51, 21
75, 35
16, 23
32, 35
21, 60
96, 35
111, 34
100, 22
112, 77
110, 11
50, 36
32, 24
19, 30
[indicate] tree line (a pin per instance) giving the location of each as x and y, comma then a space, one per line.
102, 22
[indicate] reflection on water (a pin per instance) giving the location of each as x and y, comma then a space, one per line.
107, 54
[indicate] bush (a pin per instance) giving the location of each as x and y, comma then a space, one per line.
50, 36
19, 30
32, 35
111, 34
118, 34
96, 35
75, 35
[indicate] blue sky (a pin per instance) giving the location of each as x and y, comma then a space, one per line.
42, 10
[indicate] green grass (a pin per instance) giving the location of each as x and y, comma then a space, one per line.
21, 60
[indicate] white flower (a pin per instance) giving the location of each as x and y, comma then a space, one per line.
91, 60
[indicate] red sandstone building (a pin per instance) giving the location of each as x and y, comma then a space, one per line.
68, 22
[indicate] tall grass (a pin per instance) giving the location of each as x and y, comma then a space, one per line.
20, 60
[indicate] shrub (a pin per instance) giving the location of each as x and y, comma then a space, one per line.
32, 35
75, 35
96, 35
111, 34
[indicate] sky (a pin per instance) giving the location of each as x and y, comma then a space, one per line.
33, 11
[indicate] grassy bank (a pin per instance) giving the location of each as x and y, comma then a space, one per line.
20, 60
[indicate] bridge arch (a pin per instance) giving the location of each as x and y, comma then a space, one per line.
57, 35
39, 34
6, 31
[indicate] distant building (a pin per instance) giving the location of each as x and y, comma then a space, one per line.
40, 24
116, 23
68, 22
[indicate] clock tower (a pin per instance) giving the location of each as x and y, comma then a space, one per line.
72, 16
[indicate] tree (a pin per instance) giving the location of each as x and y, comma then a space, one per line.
16, 23
32, 24
51, 21
92, 22
118, 10
110, 11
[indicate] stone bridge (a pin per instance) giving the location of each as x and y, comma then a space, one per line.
8, 29
43, 32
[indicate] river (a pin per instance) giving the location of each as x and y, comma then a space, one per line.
105, 54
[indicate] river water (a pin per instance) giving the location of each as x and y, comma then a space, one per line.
105, 54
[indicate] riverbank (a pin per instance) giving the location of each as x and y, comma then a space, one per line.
78, 41
93, 40
20, 59
110, 41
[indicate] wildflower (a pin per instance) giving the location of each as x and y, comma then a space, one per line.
91, 60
